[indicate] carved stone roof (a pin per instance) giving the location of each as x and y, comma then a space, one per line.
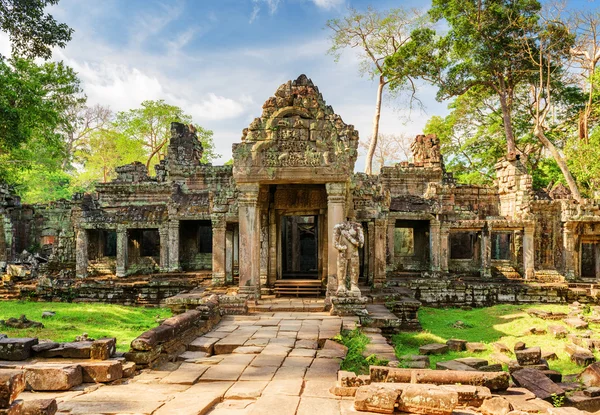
297, 133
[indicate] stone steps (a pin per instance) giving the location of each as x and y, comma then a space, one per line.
380, 317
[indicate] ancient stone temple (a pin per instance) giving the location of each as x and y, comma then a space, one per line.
266, 224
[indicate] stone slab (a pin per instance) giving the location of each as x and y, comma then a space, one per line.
186, 374
246, 389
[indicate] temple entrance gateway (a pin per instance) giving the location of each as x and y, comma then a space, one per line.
299, 247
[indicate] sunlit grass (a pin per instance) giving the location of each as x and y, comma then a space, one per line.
503, 323
73, 319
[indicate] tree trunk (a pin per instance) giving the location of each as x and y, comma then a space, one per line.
511, 148
373, 143
561, 163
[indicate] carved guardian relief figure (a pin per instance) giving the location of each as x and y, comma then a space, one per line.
348, 238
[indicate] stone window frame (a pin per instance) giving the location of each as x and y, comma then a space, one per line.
476, 236
511, 250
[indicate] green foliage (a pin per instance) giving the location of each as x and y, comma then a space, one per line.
356, 342
71, 320
557, 401
33, 101
584, 161
151, 125
32, 32
501, 323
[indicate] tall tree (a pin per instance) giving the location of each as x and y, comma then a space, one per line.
376, 35
151, 125
482, 48
32, 32
33, 103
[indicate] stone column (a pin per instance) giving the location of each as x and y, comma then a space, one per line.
81, 253
164, 248
528, 252
272, 272
174, 246
391, 241
569, 252
218, 249
228, 257
379, 251
336, 212
486, 252
121, 252
249, 247
444, 247
370, 252
434, 245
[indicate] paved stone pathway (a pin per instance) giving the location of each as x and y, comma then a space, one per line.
264, 363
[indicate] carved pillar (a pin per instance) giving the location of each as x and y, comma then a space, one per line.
486, 251
569, 251
336, 212
370, 252
174, 246
434, 245
81, 253
218, 249
391, 232
528, 252
249, 240
121, 252
379, 247
444, 247
228, 257
164, 248
236, 249
272, 272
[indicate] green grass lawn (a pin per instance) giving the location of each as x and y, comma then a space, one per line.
73, 319
502, 323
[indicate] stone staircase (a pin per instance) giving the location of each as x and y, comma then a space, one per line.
298, 287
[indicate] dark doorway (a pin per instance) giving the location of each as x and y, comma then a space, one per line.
300, 247
590, 265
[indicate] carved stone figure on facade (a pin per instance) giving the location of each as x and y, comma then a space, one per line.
348, 237
426, 150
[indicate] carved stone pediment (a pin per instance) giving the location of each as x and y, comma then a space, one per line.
297, 131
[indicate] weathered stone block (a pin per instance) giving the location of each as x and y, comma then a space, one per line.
12, 383
559, 332
376, 398
433, 348
428, 400
16, 408
456, 345
476, 347
53, 377
529, 356
591, 375
101, 371
40, 347
40, 407
17, 348
103, 349
495, 406
75, 350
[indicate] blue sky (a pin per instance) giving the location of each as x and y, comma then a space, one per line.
221, 59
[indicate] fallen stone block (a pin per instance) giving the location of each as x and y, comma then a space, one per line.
473, 362
16, 408
591, 375
12, 383
513, 366
592, 392
152, 338
576, 323
415, 364
536, 382
49, 377
476, 347
101, 371
472, 396
495, 381
453, 365
519, 346
536, 331
584, 403
501, 348
457, 345
40, 347
529, 356
428, 400
128, 369
496, 406
549, 355
350, 379
559, 332
16, 348
143, 358
583, 359
497, 367
433, 348
75, 350
103, 349
376, 398
40, 407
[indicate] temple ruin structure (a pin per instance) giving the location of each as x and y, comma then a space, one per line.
269, 217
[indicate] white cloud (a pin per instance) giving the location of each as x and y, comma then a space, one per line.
328, 4
215, 107
271, 4
5, 48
